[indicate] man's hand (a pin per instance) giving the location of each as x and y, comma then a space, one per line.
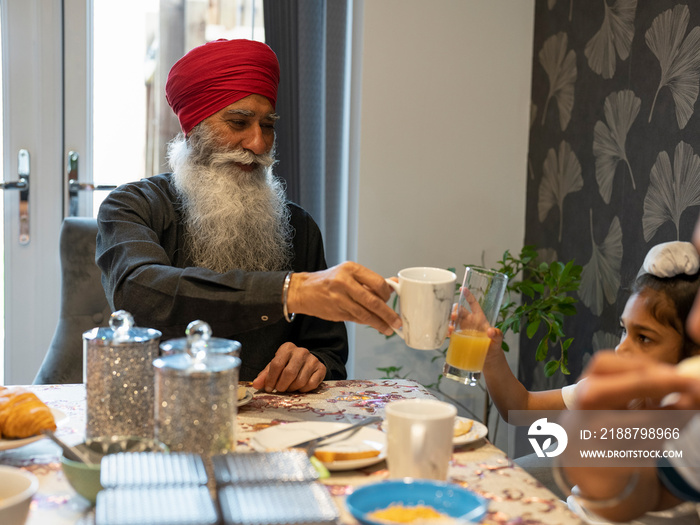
292, 369
346, 292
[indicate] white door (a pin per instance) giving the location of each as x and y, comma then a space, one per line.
83, 95
32, 122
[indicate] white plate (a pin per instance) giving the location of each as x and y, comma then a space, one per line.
7, 444
247, 398
477, 432
284, 435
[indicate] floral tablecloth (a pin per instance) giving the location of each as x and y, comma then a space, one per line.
515, 497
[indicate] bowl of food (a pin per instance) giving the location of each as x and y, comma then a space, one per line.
85, 477
415, 500
17, 488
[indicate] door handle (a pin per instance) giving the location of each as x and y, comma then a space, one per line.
74, 185
21, 184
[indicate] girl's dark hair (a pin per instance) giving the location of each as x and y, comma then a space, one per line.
680, 291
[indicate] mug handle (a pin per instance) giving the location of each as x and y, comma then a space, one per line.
397, 289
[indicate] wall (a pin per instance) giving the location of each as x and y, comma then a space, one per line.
445, 92
613, 154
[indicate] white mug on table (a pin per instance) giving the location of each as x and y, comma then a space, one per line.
419, 438
426, 296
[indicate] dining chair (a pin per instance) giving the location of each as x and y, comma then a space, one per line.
83, 303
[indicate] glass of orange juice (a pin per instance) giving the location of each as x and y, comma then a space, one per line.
479, 302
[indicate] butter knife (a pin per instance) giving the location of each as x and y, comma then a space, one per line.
310, 444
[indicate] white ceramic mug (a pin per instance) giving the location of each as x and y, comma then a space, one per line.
426, 296
419, 438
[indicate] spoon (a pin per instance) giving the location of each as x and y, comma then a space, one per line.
69, 452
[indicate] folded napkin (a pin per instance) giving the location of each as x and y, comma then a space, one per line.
673, 258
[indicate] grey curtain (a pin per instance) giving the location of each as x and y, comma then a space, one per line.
310, 38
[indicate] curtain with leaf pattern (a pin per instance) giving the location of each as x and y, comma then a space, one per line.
613, 163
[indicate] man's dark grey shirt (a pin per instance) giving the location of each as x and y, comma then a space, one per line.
146, 271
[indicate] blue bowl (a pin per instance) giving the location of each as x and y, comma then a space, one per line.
446, 498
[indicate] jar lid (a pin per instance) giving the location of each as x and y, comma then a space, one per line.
121, 331
198, 355
186, 365
201, 331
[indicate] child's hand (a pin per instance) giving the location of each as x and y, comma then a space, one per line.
496, 336
453, 318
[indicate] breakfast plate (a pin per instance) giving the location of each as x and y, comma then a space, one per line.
7, 444
247, 398
477, 431
364, 441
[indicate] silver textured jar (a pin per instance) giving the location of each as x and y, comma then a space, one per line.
200, 331
118, 372
197, 399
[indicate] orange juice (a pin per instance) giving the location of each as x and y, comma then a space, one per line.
467, 349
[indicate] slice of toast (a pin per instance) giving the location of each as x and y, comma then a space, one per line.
328, 456
462, 426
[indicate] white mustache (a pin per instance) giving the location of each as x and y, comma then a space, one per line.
242, 156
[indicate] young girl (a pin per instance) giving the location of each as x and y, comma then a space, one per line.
653, 323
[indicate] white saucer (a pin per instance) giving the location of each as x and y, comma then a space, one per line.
247, 398
7, 444
285, 435
478, 431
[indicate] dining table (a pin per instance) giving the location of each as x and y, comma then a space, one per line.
514, 497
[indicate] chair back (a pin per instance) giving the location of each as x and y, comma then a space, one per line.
83, 303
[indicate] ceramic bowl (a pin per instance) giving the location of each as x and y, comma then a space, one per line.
85, 478
17, 488
446, 498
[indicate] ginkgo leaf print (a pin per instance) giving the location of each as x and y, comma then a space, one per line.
560, 67
620, 110
562, 175
671, 191
548, 255
679, 59
600, 277
604, 340
552, 3
613, 38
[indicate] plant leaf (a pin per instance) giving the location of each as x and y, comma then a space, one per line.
562, 175
678, 57
564, 369
542, 349
621, 109
532, 328
550, 368
560, 67
671, 192
600, 277
615, 35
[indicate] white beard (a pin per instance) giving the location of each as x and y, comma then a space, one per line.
233, 219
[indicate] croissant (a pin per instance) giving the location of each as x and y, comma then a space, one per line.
22, 414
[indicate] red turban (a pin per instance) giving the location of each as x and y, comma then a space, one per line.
218, 73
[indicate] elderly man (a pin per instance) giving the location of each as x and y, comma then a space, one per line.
216, 239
